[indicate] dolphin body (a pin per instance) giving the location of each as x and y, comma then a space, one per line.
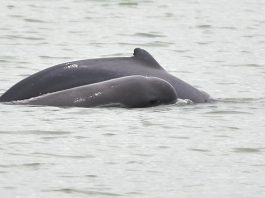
84, 72
128, 92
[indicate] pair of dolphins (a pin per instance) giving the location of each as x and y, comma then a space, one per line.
131, 82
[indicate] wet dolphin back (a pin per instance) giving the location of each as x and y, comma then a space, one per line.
84, 72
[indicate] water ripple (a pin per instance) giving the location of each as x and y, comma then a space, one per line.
247, 150
228, 112
129, 4
241, 100
35, 21
26, 165
205, 26
149, 35
200, 150
63, 156
36, 132
25, 37
87, 192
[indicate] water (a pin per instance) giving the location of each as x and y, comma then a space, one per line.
203, 150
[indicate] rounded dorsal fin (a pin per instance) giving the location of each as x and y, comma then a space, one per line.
143, 55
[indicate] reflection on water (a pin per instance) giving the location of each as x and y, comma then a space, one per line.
180, 150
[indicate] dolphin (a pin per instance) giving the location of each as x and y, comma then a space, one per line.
128, 92
84, 72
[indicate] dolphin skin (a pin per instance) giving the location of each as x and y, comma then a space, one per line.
84, 72
128, 92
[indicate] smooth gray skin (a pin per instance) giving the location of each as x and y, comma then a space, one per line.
84, 72
129, 92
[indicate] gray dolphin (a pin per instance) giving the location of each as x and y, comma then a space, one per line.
84, 72
129, 92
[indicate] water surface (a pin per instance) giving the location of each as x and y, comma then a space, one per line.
203, 150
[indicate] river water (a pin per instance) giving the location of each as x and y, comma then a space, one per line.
181, 150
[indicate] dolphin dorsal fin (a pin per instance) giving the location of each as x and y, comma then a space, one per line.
143, 55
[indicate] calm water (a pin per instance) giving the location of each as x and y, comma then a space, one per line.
205, 150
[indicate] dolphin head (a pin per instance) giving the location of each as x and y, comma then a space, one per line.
148, 92
160, 92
